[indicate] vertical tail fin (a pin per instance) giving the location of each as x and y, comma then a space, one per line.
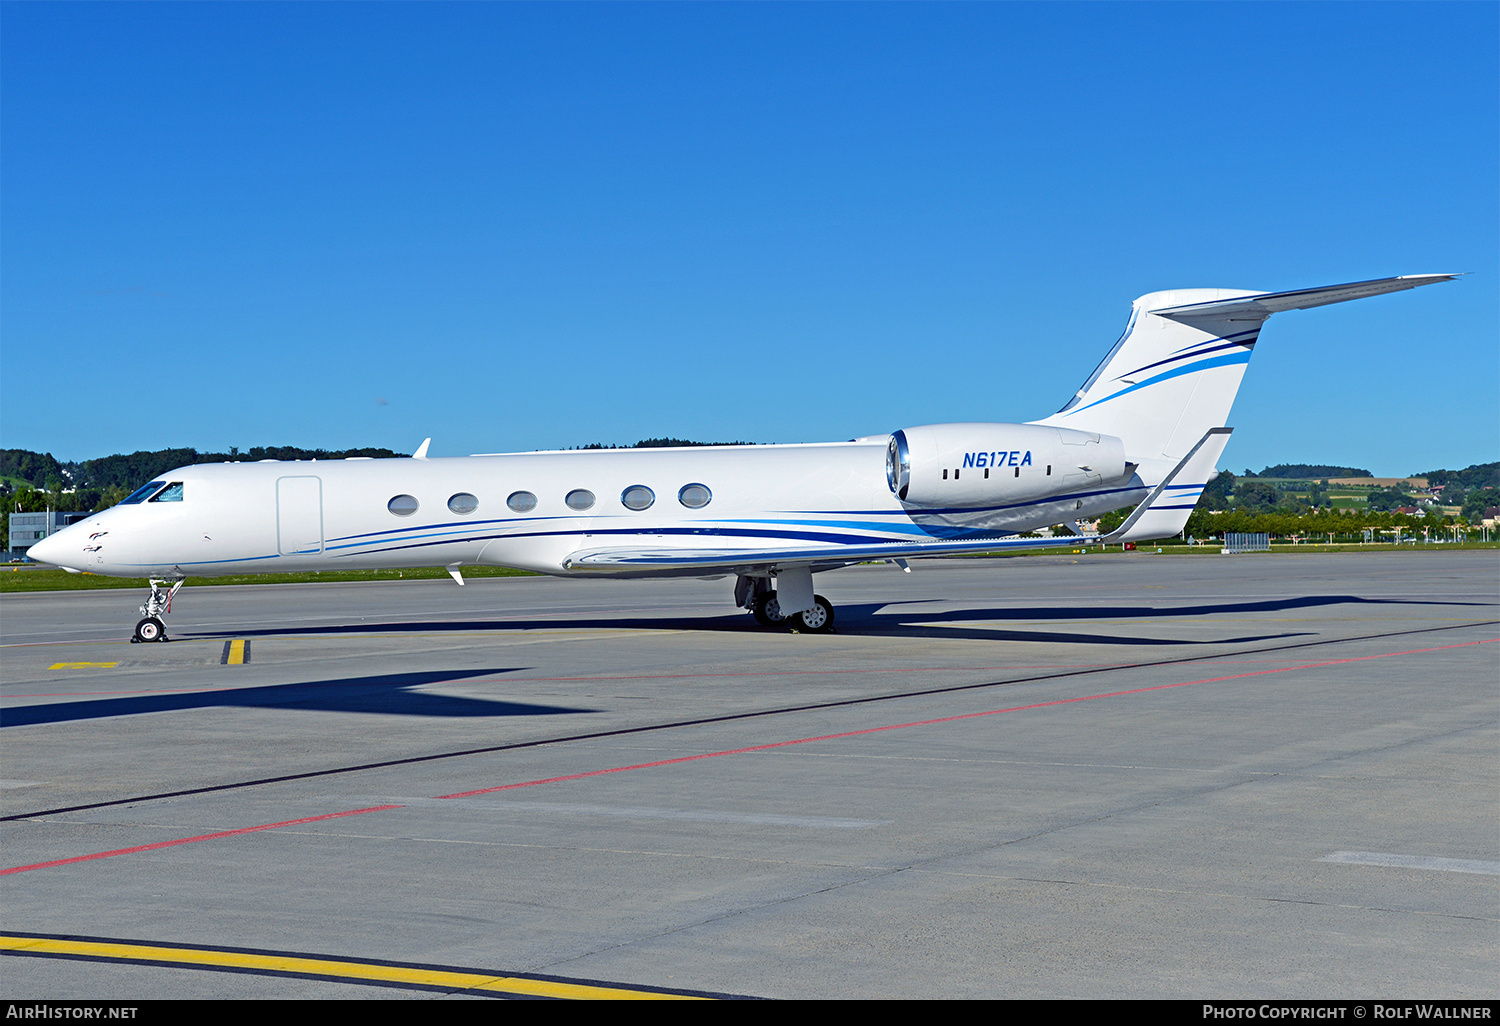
1174, 374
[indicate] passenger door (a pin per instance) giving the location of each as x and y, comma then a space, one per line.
299, 515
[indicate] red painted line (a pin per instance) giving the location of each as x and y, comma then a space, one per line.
733, 751
194, 840
954, 719
74, 641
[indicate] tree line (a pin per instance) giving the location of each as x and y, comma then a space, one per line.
130, 471
1307, 470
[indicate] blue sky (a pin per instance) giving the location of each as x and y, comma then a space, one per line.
520, 226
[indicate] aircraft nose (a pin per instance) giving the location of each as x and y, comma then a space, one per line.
50, 550
70, 547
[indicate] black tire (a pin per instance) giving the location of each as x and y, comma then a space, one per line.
817, 620
767, 610
150, 629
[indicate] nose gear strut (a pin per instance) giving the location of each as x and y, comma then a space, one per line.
159, 602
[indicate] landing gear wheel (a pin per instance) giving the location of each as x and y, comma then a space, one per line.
818, 619
767, 610
150, 629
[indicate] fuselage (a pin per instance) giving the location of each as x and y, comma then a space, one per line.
528, 510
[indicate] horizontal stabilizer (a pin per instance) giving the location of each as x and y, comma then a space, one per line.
1264, 304
1175, 372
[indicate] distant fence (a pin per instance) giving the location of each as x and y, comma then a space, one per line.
1235, 542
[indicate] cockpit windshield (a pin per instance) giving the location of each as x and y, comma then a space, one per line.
142, 493
171, 493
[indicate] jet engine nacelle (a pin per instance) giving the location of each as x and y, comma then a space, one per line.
947, 465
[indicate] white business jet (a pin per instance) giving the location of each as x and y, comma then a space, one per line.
1146, 429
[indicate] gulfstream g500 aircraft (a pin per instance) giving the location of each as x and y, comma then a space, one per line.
1145, 429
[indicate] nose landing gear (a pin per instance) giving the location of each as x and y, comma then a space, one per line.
160, 601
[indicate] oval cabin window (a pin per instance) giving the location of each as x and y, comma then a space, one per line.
695, 496
580, 499
637, 497
403, 505
463, 503
521, 502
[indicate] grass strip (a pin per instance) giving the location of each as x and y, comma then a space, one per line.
39, 578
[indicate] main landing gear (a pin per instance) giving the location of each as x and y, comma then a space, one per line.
817, 620
767, 610
756, 595
159, 602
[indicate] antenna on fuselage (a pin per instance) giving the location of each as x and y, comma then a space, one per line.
421, 453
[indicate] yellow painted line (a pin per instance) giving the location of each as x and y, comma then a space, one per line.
236, 654
333, 968
82, 666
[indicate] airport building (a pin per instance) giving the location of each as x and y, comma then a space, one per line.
26, 529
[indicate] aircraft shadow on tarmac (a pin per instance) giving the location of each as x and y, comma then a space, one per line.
389, 693
885, 619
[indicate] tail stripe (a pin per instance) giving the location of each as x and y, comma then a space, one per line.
1218, 361
1227, 338
1189, 356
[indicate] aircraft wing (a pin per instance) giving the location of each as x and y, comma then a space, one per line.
626, 561
1266, 303
1162, 514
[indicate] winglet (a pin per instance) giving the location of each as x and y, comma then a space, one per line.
1165, 511
421, 453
